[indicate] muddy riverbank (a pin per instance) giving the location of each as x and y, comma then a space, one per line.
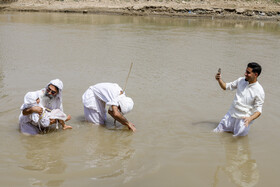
262, 9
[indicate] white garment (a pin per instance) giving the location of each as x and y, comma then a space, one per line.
29, 124
249, 98
234, 125
44, 118
29, 101
98, 96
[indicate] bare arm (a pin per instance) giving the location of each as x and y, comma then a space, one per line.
247, 120
33, 109
220, 81
115, 113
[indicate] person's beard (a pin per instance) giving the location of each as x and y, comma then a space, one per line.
50, 96
47, 98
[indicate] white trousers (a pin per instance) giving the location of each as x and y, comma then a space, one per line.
93, 116
234, 125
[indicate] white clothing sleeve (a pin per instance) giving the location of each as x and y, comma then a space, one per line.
259, 103
232, 85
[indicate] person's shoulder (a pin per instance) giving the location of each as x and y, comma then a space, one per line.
241, 79
259, 87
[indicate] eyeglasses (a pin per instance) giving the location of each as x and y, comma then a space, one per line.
52, 92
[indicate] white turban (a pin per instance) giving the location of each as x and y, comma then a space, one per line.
30, 100
126, 104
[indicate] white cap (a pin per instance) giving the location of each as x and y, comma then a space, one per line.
126, 104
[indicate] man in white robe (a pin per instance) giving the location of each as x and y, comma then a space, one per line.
50, 97
98, 96
247, 103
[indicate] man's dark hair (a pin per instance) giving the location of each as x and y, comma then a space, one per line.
256, 68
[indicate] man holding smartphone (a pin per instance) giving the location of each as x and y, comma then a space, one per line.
247, 103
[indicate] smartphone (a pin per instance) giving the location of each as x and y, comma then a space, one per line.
219, 70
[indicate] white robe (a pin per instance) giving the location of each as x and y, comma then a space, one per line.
97, 97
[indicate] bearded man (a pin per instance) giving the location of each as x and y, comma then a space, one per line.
50, 98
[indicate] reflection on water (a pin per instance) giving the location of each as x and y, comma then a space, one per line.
44, 153
240, 168
107, 153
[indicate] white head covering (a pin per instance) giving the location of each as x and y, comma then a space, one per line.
30, 100
58, 83
126, 104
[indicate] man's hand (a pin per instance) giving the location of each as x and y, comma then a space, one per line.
220, 81
116, 114
37, 109
247, 121
131, 126
33, 109
218, 76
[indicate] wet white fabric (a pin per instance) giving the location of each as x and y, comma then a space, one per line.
234, 125
54, 114
94, 117
98, 96
249, 98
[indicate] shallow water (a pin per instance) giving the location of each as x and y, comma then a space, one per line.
177, 100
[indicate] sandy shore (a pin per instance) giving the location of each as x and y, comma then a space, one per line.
231, 9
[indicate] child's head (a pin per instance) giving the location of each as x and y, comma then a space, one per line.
31, 98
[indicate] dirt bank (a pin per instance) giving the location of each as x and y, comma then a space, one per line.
233, 9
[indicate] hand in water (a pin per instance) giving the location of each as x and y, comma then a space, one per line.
131, 126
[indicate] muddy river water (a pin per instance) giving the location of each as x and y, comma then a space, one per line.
177, 100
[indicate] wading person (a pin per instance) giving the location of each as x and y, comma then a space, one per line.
48, 117
247, 103
98, 96
50, 98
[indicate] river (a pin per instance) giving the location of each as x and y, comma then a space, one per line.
177, 100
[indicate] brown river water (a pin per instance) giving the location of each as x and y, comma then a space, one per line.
177, 100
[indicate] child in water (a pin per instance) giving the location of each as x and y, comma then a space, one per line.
48, 117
